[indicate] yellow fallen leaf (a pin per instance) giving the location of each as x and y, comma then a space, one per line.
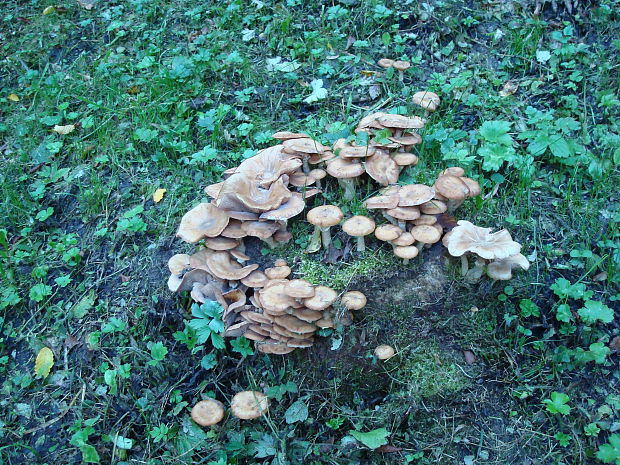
13, 98
49, 10
158, 195
64, 130
85, 4
44, 362
509, 88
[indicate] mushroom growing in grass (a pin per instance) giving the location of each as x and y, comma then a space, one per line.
502, 269
208, 412
428, 100
401, 66
248, 405
359, 226
346, 170
406, 253
323, 218
384, 352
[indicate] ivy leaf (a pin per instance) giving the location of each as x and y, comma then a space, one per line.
296, 412
371, 439
44, 362
557, 403
594, 311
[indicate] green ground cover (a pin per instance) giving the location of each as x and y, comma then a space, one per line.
168, 94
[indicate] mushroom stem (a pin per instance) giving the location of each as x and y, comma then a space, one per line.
420, 246
317, 183
389, 218
326, 237
402, 225
348, 187
464, 265
361, 244
405, 261
306, 166
270, 241
401, 76
454, 204
315, 241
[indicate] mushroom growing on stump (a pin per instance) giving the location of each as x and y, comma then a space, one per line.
323, 218
208, 412
359, 226
425, 234
456, 189
248, 405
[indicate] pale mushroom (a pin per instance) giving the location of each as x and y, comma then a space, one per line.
208, 412
406, 253
359, 226
384, 352
502, 269
345, 170
204, 220
248, 405
353, 300
426, 99
323, 218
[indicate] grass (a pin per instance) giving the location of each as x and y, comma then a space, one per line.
170, 94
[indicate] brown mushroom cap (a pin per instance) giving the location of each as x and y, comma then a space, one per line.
403, 240
285, 135
415, 194
223, 266
323, 297
401, 122
385, 62
247, 405
358, 226
404, 213
353, 300
433, 207
178, 263
204, 220
406, 252
325, 322
411, 139
405, 158
273, 298
384, 352
282, 236
220, 243
357, 152
292, 207
300, 343
453, 171
274, 347
382, 168
345, 168
260, 229
208, 412
425, 219
307, 315
299, 289
427, 100
317, 173
382, 201
325, 216
294, 324
256, 318
401, 65
278, 272
387, 232
255, 279
304, 145
426, 234
234, 230
452, 187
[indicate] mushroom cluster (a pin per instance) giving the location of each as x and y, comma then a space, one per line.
259, 197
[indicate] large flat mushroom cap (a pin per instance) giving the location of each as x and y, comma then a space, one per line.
247, 405
353, 300
401, 122
426, 234
323, 297
387, 232
240, 192
433, 207
344, 168
357, 152
304, 145
273, 298
404, 213
223, 266
267, 166
427, 100
220, 243
299, 289
234, 230
208, 412
260, 229
382, 168
415, 194
325, 216
370, 121
405, 158
204, 220
255, 279
358, 225
467, 237
382, 201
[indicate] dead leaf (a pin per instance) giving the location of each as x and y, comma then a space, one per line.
158, 195
509, 88
49, 10
469, 356
350, 42
71, 342
387, 449
85, 4
133, 90
615, 343
13, 98
602, 276
125, 278
44, 362
367, 72
64, 130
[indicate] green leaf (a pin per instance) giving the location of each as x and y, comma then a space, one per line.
560, 148
594, 311
277, 392
123, 443
40, 291
557, 403
296, 412
241, 345
496, 131
371, 439
598, 352
89, 454
209, 361
158, 351
44, 362
528, 308
608, 453
563, 313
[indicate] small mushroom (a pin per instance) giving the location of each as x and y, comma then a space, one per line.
406, 253
323, 218
401, 67
385, 63
248, 405
208, 412
384, 352
359, 226
346, 170
428, 100
353, 300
